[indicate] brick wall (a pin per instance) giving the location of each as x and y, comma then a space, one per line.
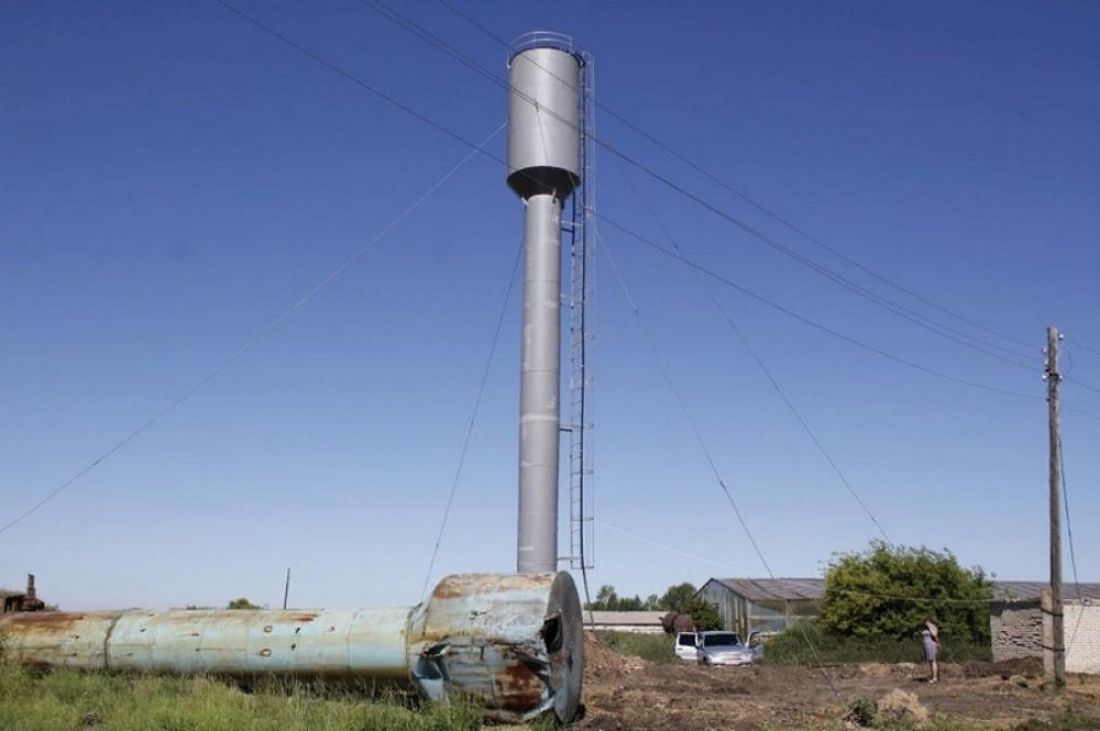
1082, 619
1016, 629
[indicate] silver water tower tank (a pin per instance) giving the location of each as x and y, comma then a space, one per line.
544, 144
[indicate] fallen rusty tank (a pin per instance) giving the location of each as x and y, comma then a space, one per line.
513, 644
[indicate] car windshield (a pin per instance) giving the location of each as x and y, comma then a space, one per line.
720, 639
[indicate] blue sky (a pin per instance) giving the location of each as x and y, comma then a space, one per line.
174, 179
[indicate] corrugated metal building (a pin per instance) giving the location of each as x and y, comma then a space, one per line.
772, 605
764, 605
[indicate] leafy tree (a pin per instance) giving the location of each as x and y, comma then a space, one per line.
680, 598
608, 600
889, 591
677, 598
704, 613
241, 603
605, 596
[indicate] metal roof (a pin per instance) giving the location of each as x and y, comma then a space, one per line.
1007, 590
757, 590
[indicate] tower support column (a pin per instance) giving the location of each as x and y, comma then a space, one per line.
540, 387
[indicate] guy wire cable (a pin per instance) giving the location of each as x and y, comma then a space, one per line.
893, 307
458, 137
764, 368
705, 449
473, 418
450, 6
255, 340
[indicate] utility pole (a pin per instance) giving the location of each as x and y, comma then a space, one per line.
1058, 644
286, 588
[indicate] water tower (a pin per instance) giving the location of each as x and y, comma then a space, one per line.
512, 644
544, 168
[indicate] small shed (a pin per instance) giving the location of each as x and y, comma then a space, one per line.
1017, 623
764, 605
644, 622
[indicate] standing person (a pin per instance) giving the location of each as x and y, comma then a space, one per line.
930, 637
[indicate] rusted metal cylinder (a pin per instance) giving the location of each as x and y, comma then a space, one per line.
514, 644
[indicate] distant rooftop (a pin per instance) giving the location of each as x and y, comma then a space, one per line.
624, 619
759, 590
795, 589
1034, 589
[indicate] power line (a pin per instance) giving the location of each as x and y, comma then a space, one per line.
456, 136
850, 592
767, 372
703, 445
805, 320
895, 308
317, 58
255, 340
1078, 382
754, 203
416, 29
1081, 345
1069, 535
668, 549
684, 407
1081, 384
473, 419
857, 289
363, 84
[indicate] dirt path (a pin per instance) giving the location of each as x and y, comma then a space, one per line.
629, 693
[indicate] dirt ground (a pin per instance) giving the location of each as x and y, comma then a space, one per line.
623, 692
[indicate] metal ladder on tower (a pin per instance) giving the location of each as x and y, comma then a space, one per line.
582, 532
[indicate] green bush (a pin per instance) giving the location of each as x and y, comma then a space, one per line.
657, 648
682, 598
808, 644
862, 712
889, 591
241, 603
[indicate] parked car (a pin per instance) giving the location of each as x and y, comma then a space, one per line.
726, 648
686, 651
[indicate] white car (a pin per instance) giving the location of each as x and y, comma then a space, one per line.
726, 648
686, 651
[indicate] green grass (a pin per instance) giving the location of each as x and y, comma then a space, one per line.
793, 647
66, 700
655, 648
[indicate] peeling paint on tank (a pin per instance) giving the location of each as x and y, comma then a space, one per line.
480, 636
76, 640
